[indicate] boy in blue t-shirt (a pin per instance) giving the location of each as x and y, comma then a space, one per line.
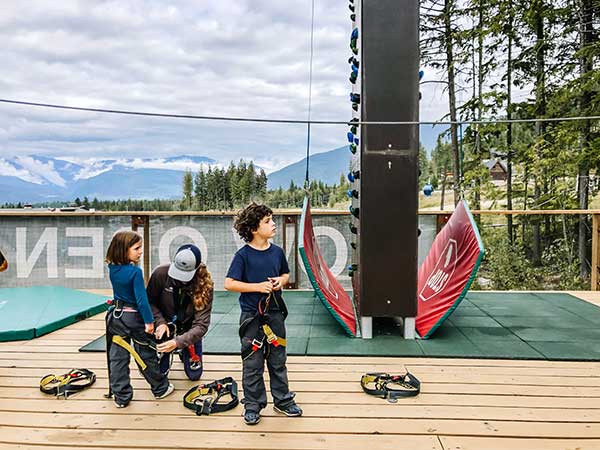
259, 271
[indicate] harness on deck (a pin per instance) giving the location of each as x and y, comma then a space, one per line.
65, 385
205, 399
390, 387
263, 331
116, 333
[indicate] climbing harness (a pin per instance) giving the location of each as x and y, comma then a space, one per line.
390, 387
181, 300
195, 359
263, 331
65, 385
117, 333
205, 399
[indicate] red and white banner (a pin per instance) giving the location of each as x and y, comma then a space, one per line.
448, 271
326, 286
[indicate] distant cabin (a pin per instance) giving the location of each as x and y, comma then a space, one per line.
497, 168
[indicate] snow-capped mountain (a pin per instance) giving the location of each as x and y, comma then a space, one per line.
34, 178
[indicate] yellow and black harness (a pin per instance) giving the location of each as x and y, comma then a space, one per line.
65, 385
205, 399
117, 333
390, 387
261, 330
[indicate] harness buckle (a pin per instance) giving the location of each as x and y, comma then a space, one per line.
206, 408
271, 337
256, 344
391, 398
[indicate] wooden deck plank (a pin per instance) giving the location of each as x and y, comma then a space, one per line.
475, 443
158, 439
548, 392
8, 369
326, 411
369, 426
355, 399
98, 360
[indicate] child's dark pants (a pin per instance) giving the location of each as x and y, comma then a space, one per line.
255, 394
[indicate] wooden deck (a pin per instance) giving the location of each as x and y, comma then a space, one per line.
464, 404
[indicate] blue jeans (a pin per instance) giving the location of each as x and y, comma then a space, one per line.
193, 369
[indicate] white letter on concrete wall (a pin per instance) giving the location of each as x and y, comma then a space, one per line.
165, 242
341, 249
47, 240
95, 251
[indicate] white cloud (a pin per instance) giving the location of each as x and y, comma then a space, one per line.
181, 164
92, 167
39, 169
8, 170
245, 58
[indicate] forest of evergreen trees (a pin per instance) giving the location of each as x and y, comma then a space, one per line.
219, 189
520, 59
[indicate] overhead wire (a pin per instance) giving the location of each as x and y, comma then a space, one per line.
292, 121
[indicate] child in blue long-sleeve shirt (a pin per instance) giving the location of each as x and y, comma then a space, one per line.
129, 320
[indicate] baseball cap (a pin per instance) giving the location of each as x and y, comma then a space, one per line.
185, 263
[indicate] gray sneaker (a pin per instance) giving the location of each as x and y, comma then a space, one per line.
168, 392
120, 405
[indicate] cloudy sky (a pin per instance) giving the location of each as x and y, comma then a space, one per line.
217, 58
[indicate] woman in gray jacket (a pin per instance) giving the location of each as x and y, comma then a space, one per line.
181, 295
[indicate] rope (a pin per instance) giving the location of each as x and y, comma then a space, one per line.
312, 34
292, 121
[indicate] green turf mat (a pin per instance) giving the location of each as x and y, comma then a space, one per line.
330, 330
486, 325
378, 346
500, 342
30, 312
449, 342
473, 321
569, 351
561, 320
556, 334
97, 345
468, 311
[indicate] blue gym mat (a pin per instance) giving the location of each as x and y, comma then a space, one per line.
26, 313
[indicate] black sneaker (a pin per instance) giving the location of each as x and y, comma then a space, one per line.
291, 410
251, 417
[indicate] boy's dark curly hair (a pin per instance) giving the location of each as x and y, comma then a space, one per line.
249, 218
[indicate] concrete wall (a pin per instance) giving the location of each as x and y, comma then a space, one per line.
69, 251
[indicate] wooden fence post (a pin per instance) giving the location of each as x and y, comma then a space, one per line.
144, 221
595, 250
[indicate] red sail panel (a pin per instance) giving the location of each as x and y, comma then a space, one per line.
326, 286
448, 271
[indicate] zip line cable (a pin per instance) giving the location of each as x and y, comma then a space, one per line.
310, 72
291, 121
